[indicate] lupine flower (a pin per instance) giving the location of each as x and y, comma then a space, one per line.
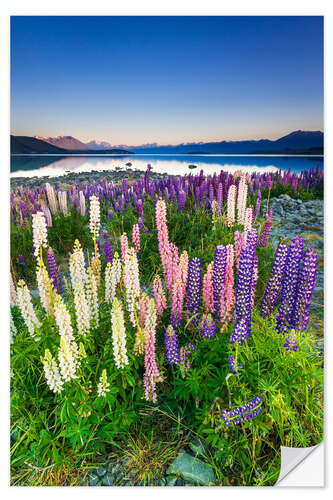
118, 334
48, 215
163, 238
207, 291
77, 265
241, 200
243, 307
285, 317
177, 301
96, 265
94, 222
51, 372
265, 231
92, 297
171, 346
254, 280
184, 363
62, 197
108, 251
182, 273
51, 197
141, 337
291, 342
172, 266
228, 294
12, 291
159, 296
68, 359
103, 384
63, 319
194, 288
124, 246
245, 412
258, 204
181, 201
232, 365
39, 231
273, 286
152, 375
83, 208
53, 269
136, 237
44, 288
82, 310
132, 282
23, 301
219, 268
110, 283
12, 329
239, 243
305, 286
231, 206
106, 235
208, 327
248, 219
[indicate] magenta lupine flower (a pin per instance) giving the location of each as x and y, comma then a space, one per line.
123, 246
305, 286
219, 268
285, 317
239, 243
243, 413
265, 230
194, 288
177, 301
243, 306
171, 346
53, 269
273, 286
208, 327
159, 296
108, 251
172, 265
228, 294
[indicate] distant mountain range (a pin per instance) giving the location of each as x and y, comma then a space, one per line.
298, 142
20, 144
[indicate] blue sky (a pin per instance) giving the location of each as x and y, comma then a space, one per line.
134, 80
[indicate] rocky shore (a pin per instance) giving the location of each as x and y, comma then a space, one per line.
84, 177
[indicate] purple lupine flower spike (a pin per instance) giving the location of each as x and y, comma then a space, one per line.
53, 269
171, 346
219, 268
243, 307
208, 327
306, 284
245, 412
284, 321
108, 251
22, 261
273, 286
232, 365
194, 288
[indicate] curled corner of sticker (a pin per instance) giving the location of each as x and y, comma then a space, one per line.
291, 458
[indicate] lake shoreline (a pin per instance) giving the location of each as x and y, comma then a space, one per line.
114, 176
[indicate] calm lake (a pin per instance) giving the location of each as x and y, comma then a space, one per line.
47, 165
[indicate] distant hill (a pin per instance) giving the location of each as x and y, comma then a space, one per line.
20, 144
298, 142
65, 142
31, 145
295, 143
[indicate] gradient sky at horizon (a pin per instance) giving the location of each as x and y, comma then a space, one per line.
135, 80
